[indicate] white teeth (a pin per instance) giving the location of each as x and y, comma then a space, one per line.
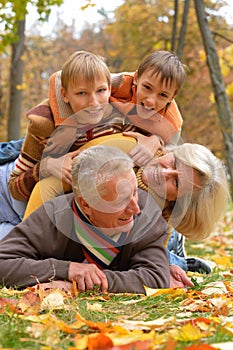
156, 174
147, 107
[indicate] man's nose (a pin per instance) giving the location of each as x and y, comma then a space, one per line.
133, 206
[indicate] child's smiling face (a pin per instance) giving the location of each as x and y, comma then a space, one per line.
88, 99
153, 95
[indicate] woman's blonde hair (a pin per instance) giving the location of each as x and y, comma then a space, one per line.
85, 65
195, 215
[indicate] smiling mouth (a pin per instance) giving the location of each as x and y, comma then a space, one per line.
146, 111
128, 219
95, 112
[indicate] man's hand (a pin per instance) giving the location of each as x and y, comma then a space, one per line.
87, 277
178, 277
145, 149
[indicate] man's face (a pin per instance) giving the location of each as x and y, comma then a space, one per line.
170, 178
117, 206
88, 99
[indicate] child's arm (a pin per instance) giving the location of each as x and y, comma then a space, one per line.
147, 147
59, 167
60, 141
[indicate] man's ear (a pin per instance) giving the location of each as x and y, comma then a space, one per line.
86, 209
64, 95
135, 79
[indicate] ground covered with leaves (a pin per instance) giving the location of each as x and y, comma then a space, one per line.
200, 318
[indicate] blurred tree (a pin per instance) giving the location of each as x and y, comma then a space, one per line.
222, 102
183, 28
12, 16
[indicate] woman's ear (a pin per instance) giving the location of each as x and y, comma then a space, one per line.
135, 79
64, 95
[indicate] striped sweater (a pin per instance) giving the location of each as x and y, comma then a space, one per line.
42, 122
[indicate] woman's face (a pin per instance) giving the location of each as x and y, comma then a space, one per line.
169, 178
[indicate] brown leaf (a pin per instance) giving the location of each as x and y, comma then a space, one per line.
29, 303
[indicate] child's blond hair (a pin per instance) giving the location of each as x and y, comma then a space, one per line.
85, 65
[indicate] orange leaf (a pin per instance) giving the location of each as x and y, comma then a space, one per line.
100, 342
94, 325
200, 347
11, 303
170, 344
74, 288
135, 345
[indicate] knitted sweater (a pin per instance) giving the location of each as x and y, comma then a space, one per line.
123, 97
29, 252
43, 120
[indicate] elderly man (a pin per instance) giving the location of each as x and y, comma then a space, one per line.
96, 236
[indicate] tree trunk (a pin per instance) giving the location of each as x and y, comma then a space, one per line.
221, 98
174, 27
16, 78
183, 29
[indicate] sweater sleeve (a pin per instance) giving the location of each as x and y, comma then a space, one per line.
26, 172
35, 250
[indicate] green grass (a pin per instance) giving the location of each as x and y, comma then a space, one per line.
18, 331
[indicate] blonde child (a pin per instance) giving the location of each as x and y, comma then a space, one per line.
85, 90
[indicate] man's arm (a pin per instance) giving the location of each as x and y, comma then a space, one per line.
37, 250
147, 266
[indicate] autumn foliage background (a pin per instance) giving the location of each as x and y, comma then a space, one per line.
200, 318
138, 28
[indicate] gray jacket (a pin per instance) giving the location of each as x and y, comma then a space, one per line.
42, 247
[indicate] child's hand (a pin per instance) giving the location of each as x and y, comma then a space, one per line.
146, 147
61, 167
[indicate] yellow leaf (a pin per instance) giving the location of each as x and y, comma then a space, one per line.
223, 261
187, 333
170, 291
94, 307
